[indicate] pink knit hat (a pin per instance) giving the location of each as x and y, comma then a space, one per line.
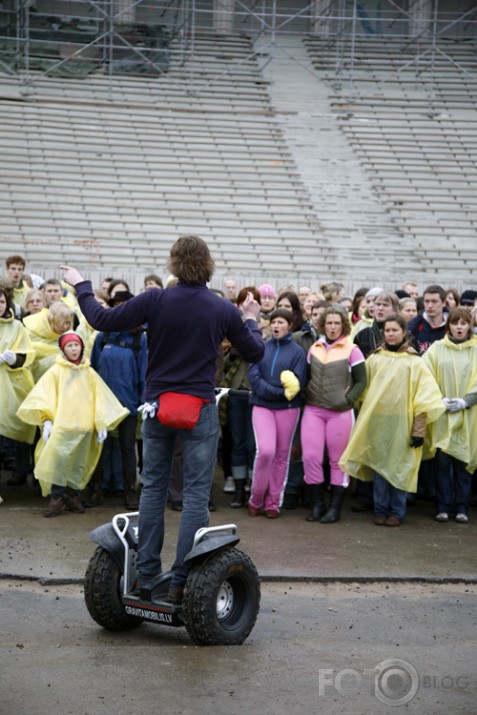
268, 290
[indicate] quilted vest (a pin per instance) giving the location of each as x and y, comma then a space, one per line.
330, 375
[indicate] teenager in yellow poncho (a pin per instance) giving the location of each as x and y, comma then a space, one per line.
453, 362
16, 354
75, 408
44, 329
15, 266
386, 442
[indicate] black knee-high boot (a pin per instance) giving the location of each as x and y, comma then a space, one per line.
334, 510
318, 507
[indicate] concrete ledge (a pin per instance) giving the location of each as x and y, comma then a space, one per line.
57, 551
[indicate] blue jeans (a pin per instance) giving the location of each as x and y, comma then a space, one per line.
453, 485
199, 450
388, 500
59, 491
242, 438
112, 465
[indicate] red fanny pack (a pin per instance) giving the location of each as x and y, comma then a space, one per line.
179, 411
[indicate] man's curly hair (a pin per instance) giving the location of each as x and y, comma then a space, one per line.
190, 260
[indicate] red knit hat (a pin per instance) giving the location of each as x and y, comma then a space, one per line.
71, 337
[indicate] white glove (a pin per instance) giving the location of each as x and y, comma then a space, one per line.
148, 409
9, 357
47, 430
455, 404
102, 434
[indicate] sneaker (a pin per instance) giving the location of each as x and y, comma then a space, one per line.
462, 518
272, 513
73, 503
56, 506
379, 519
252, 510
392, 521
239, 499
229, 486
442, 516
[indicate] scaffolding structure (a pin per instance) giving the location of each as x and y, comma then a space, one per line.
43, 39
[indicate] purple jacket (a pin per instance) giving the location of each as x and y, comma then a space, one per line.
185, 326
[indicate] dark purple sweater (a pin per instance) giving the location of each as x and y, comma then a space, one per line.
185, 326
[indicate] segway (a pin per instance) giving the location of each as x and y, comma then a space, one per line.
221, 596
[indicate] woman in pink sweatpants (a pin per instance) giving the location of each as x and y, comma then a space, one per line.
337, 378
277, 381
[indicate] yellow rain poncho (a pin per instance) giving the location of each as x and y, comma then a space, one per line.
15, 383
79, 403
70, 298
44, 341
20, 294
400, 387
454, 366
88, 335
363, 323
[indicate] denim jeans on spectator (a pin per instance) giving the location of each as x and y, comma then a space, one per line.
242, 439
199, 449
388, 500
58, 490
111, 466
453, 485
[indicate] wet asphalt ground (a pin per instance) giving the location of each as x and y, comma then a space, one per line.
354, 619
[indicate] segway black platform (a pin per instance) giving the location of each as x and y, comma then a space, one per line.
221, 596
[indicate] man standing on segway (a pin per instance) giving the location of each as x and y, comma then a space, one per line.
186, 325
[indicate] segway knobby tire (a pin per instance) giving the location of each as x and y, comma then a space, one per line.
102, 593
221, 599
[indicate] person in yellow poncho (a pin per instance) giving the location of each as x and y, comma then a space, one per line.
75, 408
386, 442
16, 355
453, 362
15, 266
44, 329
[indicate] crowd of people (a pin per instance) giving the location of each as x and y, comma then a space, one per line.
377, 390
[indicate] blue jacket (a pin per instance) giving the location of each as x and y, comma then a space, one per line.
264, 376
423, 333
122, 368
